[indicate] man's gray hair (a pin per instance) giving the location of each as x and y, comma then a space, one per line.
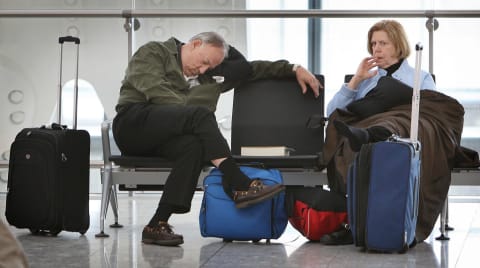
214, 39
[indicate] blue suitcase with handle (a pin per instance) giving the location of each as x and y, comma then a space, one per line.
383, 189
383, 185
220, 218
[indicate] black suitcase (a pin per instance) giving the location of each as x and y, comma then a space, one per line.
48, 176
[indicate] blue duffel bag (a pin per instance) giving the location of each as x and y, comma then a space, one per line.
220, 218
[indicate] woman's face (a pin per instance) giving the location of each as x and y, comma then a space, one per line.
383, 49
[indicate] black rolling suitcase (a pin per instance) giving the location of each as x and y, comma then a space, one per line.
48, 176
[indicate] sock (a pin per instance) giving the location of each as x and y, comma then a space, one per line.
163, 213
356, 136
233, 177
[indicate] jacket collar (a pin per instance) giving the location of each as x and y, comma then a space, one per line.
403, 67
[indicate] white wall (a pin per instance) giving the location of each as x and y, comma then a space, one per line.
29, 53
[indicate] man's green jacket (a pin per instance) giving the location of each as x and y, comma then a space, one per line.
154, 75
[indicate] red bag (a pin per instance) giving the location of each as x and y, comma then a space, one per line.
314, 211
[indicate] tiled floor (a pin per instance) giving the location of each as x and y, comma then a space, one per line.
124, 249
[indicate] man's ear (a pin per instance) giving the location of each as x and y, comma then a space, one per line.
196, 43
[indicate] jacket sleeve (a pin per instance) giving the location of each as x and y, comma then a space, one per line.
341, 99
148, 73
272, 69
235, 69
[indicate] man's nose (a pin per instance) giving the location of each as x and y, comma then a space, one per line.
203, 69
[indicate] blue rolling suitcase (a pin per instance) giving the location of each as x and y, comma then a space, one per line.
220, 218
383, 188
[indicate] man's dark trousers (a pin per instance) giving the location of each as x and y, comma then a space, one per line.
186, 135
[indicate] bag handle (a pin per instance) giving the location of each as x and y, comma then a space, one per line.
62, 40
416, 95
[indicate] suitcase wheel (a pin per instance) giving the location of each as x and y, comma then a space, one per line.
82, 232
404, 249
34, 231
225, 240
54, 232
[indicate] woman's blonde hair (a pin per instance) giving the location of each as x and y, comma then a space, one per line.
395, 33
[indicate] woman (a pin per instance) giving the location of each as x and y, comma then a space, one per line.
376, 103
388, 46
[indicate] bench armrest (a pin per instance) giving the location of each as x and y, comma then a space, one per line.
107, 152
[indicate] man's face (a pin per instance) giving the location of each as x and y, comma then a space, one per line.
198, 57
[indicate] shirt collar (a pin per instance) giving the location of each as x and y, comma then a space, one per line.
394, 67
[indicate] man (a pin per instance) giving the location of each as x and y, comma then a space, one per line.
166, 108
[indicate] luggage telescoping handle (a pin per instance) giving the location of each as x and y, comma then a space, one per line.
416, 94
69, 38
62, 40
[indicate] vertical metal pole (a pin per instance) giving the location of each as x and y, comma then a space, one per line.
315, 38
129, 24
130, 32
430, 50
432, 25
130, 27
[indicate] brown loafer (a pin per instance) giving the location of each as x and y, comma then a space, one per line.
161, 234
257, 193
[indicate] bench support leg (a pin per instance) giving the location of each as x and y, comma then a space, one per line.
443, 222
114, 204
106, 176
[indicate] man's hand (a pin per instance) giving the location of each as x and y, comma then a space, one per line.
304, 78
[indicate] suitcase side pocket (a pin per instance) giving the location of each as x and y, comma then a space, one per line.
31, 182
362, 184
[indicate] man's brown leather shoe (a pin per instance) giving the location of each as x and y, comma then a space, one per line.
161, 234
257, 193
